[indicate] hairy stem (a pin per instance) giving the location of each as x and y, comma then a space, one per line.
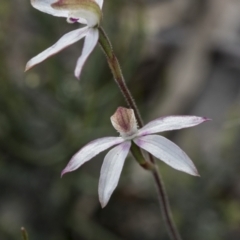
117, 73
164, 205
119, 79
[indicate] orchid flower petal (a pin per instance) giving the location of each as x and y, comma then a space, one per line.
91, 150
168, 152
111, 171
62, 43
46, 7
89, 44
170, 123
100, 3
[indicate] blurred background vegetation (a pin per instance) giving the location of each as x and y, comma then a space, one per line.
178, 57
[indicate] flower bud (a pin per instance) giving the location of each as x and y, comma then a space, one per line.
124, 121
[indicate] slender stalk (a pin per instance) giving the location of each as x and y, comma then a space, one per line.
119, 79
164, 205
117, 73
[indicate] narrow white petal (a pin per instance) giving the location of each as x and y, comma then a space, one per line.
91, 150
111, 171
100, 3
168, 152
62, 43
170, 123
45, 6
89, 44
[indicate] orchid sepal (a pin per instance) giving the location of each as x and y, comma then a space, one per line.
167, 151
170, 123
89, 151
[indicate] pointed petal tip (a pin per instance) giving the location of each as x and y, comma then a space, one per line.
193, 171
64, 171
29, 65
77, 76
206, 119
77, 73
27, 68
103, 205
196, 174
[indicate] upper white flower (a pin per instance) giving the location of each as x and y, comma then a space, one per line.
125, 123
83, 11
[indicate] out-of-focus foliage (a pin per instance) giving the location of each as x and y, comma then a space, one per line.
178, 57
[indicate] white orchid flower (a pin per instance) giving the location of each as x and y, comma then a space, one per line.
124, 122
83, 11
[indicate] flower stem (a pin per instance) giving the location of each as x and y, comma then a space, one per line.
117, 73
119, 79
164, 205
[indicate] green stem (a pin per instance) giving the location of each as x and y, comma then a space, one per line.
119, 79
117, 73
164, 205
163, 199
